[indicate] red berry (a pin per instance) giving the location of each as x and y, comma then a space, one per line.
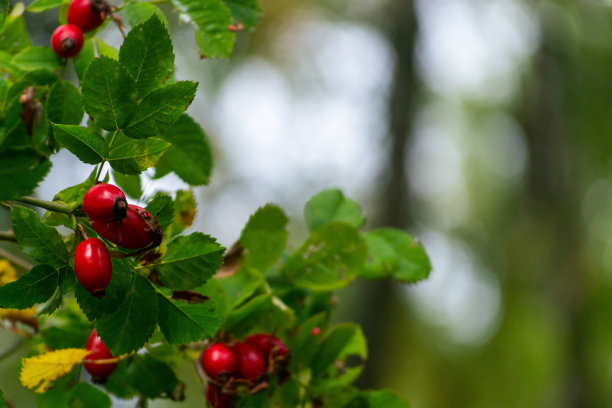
105, 202
217, 359
99, 372
217, 399
250, 364
92, 266
315, 331
85, 14
136, 230
264, 342
67, 40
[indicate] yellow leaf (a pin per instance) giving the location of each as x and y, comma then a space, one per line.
8, 274
38, 372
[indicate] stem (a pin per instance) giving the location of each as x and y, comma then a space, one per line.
5, 205
109, 147
7, 236
48, 205
15, 260
10, 349
100, 170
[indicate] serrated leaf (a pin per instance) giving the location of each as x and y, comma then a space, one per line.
109, 93
329, 259
161, 206
183, 322
38, 372
378, 398
329, 206
136, 156
21, 171
189, 261
38, 6
147, 54
65, 104
37, 239
34, 287
184, 213
130, 185
138, 12
115, 292
131, 325
264, 237
106, 50
84, 58
340, 341
245, 11
152, 378
409, 262
189, 156
85, 143
84, 395
160, 109
211, 19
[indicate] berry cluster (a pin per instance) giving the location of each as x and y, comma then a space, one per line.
83, 16
241, 364
125, 225
99, 371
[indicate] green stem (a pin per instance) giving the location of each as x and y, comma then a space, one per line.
109, 147
48, 205
7, 236
5, 205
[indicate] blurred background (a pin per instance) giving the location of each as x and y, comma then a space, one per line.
482, 127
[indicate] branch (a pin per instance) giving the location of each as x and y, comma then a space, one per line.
48, 205
15, 260
7, 236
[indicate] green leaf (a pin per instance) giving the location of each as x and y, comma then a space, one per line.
378, 398
14, 36
341, 341
84, 58
329, 206
184, 213
189, 261
245, 11
38, 6
129, 184
37, 58
189, 156
75, 193
147, 54
241, 285
85, 143
34, 287
215, 291
160, 109
21, 171
211, 19
84, 395
2, 403
65, 104
184, 322
106, 50
138, 11
109, 93
115, 292
329, 259
4, 9
246, 313
37, 239
136, 156
131, 325
51, 304
151, 377
396, 253
161, 206
264, 237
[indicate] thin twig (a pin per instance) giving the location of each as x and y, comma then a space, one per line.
48, 205
15, 260
7, 236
